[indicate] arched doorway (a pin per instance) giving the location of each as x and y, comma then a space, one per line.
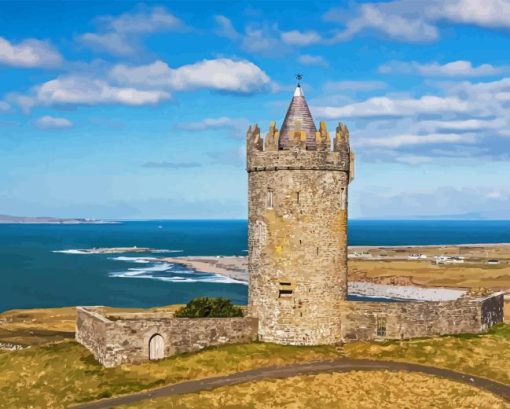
156, 347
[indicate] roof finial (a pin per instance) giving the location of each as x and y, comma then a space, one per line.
299, 77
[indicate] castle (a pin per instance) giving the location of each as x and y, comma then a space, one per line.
298, 182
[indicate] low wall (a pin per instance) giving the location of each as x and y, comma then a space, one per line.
91, 331
400, 320
125, 338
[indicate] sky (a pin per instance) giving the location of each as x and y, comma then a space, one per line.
128, 110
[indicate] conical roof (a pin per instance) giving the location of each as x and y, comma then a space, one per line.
298, 117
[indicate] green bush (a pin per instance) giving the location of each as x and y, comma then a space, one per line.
209, 307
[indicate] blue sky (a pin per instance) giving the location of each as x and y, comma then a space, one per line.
139, 110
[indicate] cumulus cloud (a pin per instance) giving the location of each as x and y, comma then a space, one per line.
415, 21
145, 84
83, 90
396, 107
50, 122
221, 74
462, 120
458, 68
172, 165
300, 38
119, 35
307, 59
29, 53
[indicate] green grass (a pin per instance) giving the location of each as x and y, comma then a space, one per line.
485, 355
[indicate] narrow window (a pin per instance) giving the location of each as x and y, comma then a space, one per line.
342, 199
317, 251
297, 197
285, 289
269, 199
381, 326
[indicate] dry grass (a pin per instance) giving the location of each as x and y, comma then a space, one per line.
46, 325
353, 390
432, 275
485, 355
56, 375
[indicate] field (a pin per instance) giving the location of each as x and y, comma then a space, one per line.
353, 390
55, 374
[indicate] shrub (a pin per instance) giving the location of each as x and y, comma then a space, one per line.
209, 307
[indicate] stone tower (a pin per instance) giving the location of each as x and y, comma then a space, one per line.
297, 212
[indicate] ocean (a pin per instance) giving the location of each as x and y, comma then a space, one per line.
41, 267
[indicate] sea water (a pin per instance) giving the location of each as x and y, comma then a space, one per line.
41, 265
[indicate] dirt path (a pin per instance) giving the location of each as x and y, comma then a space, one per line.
341, 365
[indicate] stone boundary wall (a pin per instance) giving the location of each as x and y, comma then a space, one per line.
402, 320
125, 338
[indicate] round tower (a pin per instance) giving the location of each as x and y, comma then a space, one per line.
297, 212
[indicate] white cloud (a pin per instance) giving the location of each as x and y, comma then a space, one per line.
29, 53
458, 68
225, 28
114, 43
486, 13
307, 59
215, 123
461, 125
388, 20
4, 106
386, 106
50, 122
300, 38
82, 90
353, 85
120, 35
221, 74
262, 40
144, 21
397, 141
417, 21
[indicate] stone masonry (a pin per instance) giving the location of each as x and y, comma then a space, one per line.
297, 264
115, 339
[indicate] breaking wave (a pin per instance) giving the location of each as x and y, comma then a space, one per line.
168, 272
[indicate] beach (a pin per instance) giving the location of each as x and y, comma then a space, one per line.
403, 272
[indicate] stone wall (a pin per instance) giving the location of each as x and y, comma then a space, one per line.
124, 338
401, 320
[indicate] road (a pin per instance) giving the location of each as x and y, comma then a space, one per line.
340, 365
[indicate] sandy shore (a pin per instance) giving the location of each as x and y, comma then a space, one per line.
236, 268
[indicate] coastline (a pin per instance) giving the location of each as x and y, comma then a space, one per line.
378, 259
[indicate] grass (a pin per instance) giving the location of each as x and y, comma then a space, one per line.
485, 355
432, 275
353, 390
53, 376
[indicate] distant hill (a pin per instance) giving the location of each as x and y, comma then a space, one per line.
5, 219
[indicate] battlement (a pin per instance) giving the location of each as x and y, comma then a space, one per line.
297, 153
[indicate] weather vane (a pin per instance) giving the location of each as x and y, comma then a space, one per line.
299, 77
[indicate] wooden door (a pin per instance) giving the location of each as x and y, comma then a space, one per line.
156, 347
